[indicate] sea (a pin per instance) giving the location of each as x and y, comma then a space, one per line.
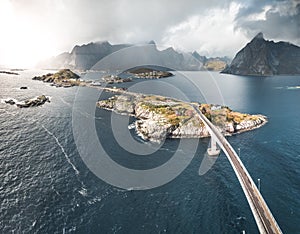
50, 182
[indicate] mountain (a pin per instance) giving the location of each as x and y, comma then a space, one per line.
212, 64
261, 57
201, 58
81, 57
87, 56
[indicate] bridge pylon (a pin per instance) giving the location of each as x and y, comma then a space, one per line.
213, 149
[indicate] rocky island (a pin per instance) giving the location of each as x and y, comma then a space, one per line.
9, 73
159, 117
112, 79
38, 101
149, 73
63, 78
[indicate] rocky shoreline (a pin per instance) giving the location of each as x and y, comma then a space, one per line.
160, 117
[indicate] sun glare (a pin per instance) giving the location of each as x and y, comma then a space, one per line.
22, 45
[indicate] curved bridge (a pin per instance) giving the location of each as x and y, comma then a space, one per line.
264, 219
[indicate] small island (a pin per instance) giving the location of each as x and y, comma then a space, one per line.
63, 78
113, 79
149, 73
9, 73
33, 102
159, 117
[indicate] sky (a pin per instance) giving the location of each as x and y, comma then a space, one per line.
32, 30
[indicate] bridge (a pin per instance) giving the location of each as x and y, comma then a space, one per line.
265, 221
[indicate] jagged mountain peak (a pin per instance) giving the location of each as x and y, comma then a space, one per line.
170, 49
262, 57
258, 40
152, 42
260, 35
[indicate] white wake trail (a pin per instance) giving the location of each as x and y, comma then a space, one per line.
62, 149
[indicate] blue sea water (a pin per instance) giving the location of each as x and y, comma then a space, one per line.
45, 186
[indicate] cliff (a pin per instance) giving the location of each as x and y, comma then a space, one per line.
159, 117
261, 57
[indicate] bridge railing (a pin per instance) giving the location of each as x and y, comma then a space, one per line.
223, 143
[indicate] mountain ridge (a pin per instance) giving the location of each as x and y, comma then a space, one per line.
86, 56
262, 57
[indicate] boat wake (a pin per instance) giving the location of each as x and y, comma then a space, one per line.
288, 87
83, 190
62, 149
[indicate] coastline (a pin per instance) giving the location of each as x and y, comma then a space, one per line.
157, 117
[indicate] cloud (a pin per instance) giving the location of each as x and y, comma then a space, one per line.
117, 21
279, 20
37, 29
212, 33
215, 27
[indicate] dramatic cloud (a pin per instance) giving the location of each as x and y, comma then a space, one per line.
279, 20
33, 29
211, 33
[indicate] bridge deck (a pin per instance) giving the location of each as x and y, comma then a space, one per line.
265, 221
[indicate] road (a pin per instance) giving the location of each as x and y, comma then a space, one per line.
265, 221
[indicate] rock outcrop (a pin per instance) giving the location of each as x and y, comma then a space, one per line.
10, 101
63, 78
160, 117
38, 101
33, 102
261, 57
